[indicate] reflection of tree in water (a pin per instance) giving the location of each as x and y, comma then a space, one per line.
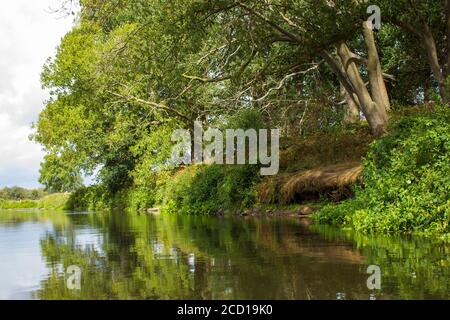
148, 257
119, 269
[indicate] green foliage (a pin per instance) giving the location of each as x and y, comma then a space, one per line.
59, 175
210, 189
130, 72
89, 199
407, 181
56, 201
153, 169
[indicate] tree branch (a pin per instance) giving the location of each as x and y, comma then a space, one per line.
288, 34
155, 105
280, 85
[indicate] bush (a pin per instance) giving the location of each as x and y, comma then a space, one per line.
93, 198
407, 180
210, 189
100, 198
18, 193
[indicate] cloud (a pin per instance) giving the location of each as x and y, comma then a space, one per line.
19, 158
29, 34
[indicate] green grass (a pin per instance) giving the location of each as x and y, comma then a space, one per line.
22, 204
55, 201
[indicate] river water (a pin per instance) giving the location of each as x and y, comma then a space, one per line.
46, 255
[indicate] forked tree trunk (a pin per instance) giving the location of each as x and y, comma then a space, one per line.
376, 80
375, 114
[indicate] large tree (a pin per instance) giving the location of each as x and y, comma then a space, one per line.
131, 69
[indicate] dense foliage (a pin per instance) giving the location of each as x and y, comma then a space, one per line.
210, 190
406, 180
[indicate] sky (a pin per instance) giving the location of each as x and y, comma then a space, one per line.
29, 34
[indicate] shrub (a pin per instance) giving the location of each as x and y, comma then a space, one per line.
210, 189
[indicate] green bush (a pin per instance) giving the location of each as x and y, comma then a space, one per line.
99, 198
18, 193
210, 189
407, 180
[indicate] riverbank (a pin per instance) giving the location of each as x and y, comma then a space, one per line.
398, 184
313, 171
406, 181
401, 185
57, 201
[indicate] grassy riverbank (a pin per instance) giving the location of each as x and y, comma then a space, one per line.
237, 189
57, 201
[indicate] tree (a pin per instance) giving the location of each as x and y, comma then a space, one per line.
429, 22
57, 176
293, 25
131, 69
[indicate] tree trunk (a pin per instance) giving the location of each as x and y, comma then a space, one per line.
375, 114
447, 17
430, 46
351, 113
376, 80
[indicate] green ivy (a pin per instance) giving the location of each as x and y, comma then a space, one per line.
406, 181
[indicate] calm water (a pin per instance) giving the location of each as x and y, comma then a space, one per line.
177, 257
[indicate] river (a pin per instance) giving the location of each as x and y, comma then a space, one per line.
138, 256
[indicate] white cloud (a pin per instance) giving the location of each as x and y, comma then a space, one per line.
29, 35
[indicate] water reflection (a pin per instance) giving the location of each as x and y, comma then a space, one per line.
131, 256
